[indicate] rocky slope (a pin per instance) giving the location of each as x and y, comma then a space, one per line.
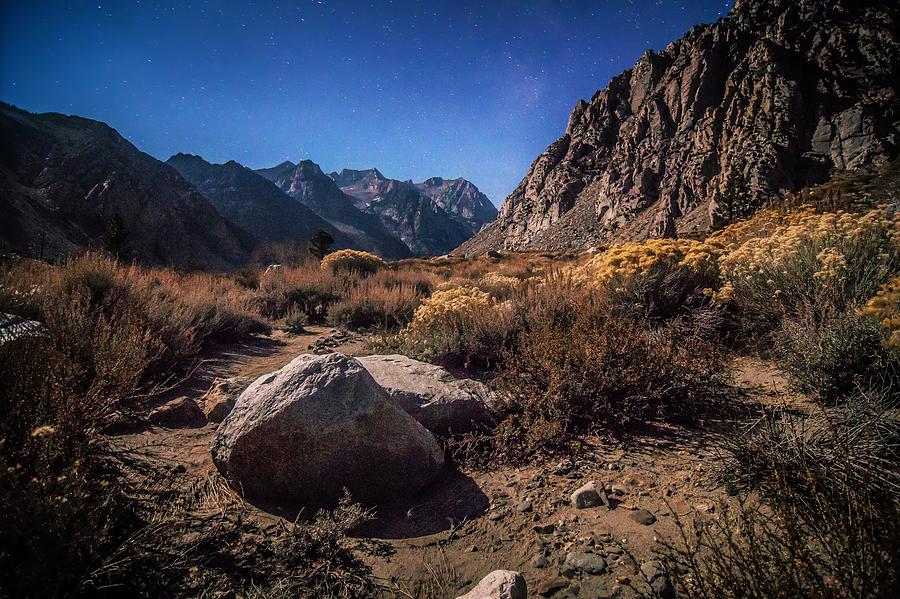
252, 202
64, 179
423, 225
306, 183
460, 199
774, 96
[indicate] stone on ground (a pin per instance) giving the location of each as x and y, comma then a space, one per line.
303, 434
643, 516
430, 394
221, 397
658, 579
591, 494
499, 584
588, 563
182, 412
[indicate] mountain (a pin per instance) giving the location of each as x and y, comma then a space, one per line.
306, 183
460, 199
423, 225
65, 179
769, 99
252, 202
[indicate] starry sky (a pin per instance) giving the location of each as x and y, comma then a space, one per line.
417, 89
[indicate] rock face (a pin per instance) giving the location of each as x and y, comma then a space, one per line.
319, 425
252, 202
461, 199
64, 180
430, 394
499, 584
306, 183
772, 96
414, 217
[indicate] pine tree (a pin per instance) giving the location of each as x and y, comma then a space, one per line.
319, 243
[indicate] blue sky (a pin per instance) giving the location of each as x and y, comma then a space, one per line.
417, 89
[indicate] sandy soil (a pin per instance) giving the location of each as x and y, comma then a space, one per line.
468, 523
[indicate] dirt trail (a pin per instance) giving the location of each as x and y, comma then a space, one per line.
468, 523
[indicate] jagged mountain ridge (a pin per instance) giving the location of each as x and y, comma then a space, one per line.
252, 202
778, 93
413, 216
64, 178
306, 183
461, 199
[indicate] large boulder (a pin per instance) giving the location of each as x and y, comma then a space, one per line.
317, 426
430, 394
499, 584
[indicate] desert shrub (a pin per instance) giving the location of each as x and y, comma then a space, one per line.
372, 304
582, 364
658, 278
352, 261
500, 286
833, 355
296, 321
247, 278
307, 286
462, 323
809, 262
884, 308
825, 523
64, 505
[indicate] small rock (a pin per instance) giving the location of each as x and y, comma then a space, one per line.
499, 584
219, 399
583, 562
589, 495
544, 529
524, 507
658, 579
178, 413
564, 467
643, 516
540, 561
550, 586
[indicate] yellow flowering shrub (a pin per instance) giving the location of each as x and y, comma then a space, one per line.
499, 285
353, 261
465, 322
660, 276
831, 261
885, 308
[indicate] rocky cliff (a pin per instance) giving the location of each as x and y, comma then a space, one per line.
773, 97
419, 221
306, 183
65, 179
252, 202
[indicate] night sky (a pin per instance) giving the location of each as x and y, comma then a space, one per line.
418, 89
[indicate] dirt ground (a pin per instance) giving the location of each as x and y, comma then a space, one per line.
468, 523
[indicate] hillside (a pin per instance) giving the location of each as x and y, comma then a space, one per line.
64, 179
252, 202
768, 100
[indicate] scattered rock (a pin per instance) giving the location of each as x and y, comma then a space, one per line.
589, 495
540, 561
219, 399
14, 328
658, 579
643, 516
524, 507
319, 425
430, 394
178, 413
499, 584
564, 467
544, 529
550, 586
583, 562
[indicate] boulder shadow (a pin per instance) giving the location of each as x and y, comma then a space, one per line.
453, 497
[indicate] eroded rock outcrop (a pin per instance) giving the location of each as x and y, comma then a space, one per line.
774, 95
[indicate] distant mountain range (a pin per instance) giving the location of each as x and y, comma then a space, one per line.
65, 179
